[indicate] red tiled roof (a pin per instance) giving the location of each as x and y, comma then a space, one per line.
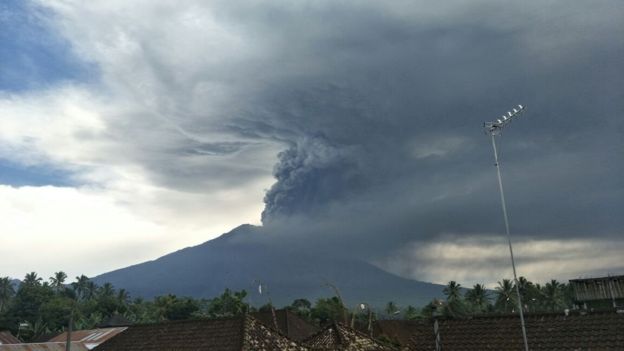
340, 337
227, 334
288, 323
552, 332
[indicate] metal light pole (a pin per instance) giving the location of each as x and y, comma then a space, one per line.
493, 129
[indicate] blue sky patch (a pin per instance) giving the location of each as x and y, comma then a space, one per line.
15, 174
33, 55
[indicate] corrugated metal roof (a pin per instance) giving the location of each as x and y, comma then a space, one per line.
90, 338
8, 338
48, 346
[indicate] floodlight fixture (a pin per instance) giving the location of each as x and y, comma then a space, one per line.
493, 129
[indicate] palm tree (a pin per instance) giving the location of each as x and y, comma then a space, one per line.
80, 285
553, 295
90, 289
58, 280
6, 292
123, 297
455, 306
391, 308
107, 290
452, 291
31, 279
505, 298
478, 297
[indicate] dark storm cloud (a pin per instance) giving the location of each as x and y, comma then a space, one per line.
394, 108
377, 108
383, 105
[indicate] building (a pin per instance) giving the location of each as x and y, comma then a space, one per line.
580, 330
226, 334
395, 331
7, 338
339, 337
47, 346
288, 323
89, 338
599, 293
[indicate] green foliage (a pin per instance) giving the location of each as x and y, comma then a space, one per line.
505, 296
330, 309
45, 306
228, 304
477, 299
412, 313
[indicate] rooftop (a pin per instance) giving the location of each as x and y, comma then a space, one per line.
577, 331
226, 334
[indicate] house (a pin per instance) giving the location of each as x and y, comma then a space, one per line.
575, 331
89, 338
338, 336
226, 334
288, 323
395, 331
599, 293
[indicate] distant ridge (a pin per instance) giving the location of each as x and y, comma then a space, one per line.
230, 261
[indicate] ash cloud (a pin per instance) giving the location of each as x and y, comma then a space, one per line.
373, 111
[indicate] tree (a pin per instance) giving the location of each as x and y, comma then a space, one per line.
301, 307
172, 308
107, 290
452, 291
326, 310
80, 285
228, 304
7, 291
478, 298
28, 302
553, 295
411, 313
32, 279
454, 303
391, 309
58, 280
505, 299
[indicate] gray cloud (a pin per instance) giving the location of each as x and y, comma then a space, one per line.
377, 110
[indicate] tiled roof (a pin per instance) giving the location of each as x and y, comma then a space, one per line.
288, 323
340, 337
399, 331
48, 346
8, 338
227, 334
90, 338
552, 332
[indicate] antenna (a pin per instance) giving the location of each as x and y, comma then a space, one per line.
495, 127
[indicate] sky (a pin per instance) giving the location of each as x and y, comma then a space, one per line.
132, 129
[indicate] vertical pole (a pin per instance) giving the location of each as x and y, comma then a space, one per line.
370, 321
69, 331
436, 332
513, 264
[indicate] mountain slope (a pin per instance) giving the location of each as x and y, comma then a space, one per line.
230, 261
